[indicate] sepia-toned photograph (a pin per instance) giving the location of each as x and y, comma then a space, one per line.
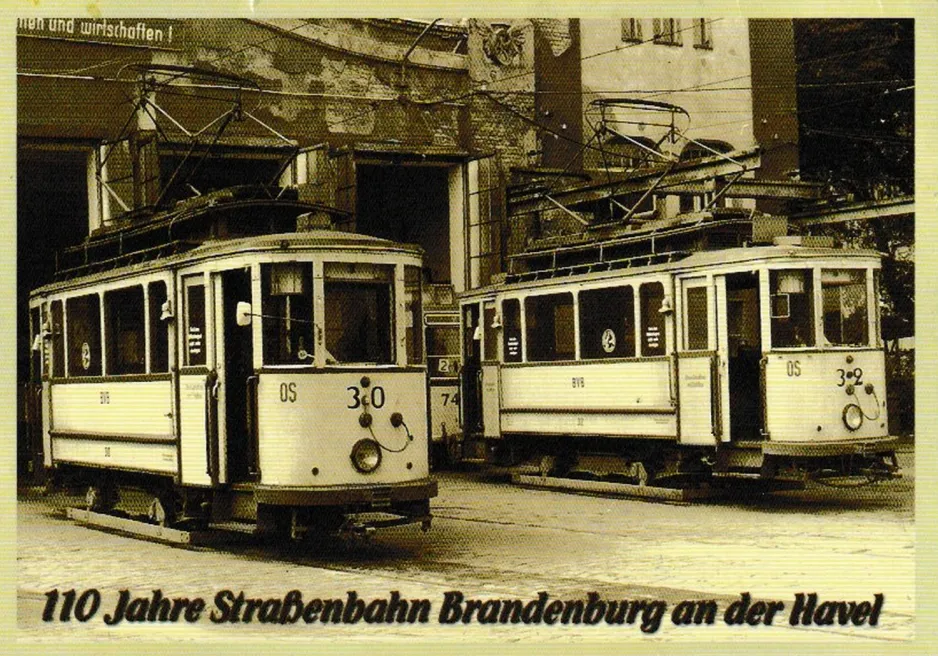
527, 330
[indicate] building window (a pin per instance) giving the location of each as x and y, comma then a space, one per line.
703, 37
652, 295
631, 30
549, 327
668, 31
607, 323
125, 346
84, 335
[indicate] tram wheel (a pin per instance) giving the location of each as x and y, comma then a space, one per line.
100, 498
642, 474
161, 511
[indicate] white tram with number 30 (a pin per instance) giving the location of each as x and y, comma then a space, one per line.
763, 360
276, 379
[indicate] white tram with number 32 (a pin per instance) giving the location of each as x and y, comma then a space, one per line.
276, 379
762, 361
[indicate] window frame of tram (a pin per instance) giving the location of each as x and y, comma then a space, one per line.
288, 309
442, 340
549, 326
837, 285
195, 343
413, 308
57, 325
653, 329
83, 328
125, 331
792, 296
157, 295
350, 286
606, 311
696, 317
512, 347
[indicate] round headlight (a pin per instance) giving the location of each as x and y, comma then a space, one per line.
853, 416
366, 456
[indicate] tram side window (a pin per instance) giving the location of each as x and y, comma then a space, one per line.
195, 323
845, 307
792, 305
58, 340
511, 330
159, 329
125, 349
607, 323
413, 307
359, 313
652, 295
84, 335
287, 293
549, 327
697, 319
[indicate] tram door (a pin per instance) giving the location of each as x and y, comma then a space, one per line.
744, 354
235, 365
472, 370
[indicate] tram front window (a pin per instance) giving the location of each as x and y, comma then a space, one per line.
287, 291
792, 307
359, 301
845, 307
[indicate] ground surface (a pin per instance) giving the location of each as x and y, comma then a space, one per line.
494, 541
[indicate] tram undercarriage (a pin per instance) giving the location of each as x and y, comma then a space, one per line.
289, 512
664, 464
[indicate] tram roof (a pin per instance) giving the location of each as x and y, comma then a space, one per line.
316, 240
713, 260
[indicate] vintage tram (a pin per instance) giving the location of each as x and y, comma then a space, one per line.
709, 346
240, 361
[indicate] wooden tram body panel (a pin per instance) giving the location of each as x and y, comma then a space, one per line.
724, 380
621, 399
192, 418
328, 406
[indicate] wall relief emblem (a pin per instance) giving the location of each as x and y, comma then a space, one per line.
502, 43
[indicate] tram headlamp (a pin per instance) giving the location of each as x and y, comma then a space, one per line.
366, 456
853, 416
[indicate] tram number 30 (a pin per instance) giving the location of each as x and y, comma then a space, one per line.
373, 397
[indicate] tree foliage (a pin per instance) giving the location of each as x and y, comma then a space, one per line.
856, 102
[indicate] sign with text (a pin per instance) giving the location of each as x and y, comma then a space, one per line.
123, 31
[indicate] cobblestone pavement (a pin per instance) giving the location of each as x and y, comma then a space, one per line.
493, 541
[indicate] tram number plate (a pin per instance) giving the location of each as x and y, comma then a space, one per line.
851, 376
579, 381
374, 397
